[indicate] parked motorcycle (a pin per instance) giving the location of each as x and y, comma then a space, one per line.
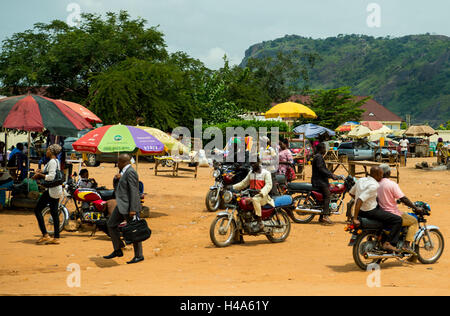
93, 209
224, 174
90, 207
308, 201
368, 238
239, 219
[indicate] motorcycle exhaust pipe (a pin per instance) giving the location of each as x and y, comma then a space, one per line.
371, 256
308, 211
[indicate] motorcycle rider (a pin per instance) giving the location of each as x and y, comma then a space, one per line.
389, 193
240, 158
319, 179
261, 180
365, 193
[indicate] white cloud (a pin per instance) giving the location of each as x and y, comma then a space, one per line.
214, 58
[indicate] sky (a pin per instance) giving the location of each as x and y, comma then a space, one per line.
209, 29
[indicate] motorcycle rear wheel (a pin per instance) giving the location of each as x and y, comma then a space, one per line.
280, 218
421, 247
298, 217
48, 220
358, 256
215, 231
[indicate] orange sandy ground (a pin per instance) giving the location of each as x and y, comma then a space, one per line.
181, 260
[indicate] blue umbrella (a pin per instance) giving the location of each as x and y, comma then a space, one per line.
312, 130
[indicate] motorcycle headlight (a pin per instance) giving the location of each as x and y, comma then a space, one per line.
216, 173
227, 197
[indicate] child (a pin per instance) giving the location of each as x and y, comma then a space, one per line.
84, 182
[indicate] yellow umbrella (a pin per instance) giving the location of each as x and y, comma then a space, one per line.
290, 110
169, 142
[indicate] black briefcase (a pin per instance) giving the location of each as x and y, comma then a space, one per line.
136, 231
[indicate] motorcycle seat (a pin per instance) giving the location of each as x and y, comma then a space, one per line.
302, 187
370, 224
107, 195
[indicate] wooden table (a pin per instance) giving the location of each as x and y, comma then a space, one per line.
368, 164
161, 161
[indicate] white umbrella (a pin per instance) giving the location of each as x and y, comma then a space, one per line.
359, 132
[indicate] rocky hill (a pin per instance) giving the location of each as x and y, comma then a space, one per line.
408, 75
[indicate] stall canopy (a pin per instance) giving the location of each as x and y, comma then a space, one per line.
359, 132
290, 110
83, 111
34, 113
119, 139
420, 130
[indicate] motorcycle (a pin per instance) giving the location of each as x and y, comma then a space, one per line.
92, 211
368, 238
239, 220
308, 201
224, 174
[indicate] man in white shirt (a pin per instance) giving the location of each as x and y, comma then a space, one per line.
404, 143
365, 194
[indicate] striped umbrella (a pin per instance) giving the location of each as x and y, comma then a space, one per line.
34, 113
83, 111
119, 139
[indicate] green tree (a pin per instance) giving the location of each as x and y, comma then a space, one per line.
138, 91
444, 127
334, 107
64, 58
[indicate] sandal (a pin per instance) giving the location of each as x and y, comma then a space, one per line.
42, 240
54, 241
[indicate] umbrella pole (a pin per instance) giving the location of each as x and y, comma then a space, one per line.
137, 162
28, 160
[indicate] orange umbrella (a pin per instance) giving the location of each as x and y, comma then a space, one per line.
83, 111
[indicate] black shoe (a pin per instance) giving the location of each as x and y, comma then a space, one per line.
115, 254
136, 260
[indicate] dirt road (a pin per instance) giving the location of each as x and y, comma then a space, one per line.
181, 260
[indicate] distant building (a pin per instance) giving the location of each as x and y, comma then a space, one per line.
374, 112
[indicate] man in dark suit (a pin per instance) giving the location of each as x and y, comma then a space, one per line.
319, 180
128, 205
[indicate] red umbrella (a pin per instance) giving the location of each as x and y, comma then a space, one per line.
33, 113
83, 111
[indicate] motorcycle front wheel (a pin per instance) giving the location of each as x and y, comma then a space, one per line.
429, 249
212, 204
48, 220
220, 235
282, 227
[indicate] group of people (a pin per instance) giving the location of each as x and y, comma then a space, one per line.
127, 203
376, 196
